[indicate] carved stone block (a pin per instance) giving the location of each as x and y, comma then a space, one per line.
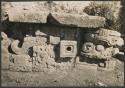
77, 20
68, 48
54, 40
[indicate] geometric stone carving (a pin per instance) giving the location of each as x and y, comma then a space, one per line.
68, 48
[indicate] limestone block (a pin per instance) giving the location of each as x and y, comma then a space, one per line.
107, 32
21, 63
54, 40
77, 20
68, 48
27, 16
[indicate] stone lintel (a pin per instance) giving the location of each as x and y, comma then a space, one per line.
65, 19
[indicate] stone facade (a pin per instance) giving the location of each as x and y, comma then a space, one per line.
49, 41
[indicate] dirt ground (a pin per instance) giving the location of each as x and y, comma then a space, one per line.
81, 75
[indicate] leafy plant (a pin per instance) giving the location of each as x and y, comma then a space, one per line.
106, 10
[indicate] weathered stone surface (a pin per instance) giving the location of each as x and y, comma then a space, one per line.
91, 51
100, 48
106, 37
21, 63
43, 58
39, 33
80, 64
54, 6
107, 32
5, 53
29, 41
54, 40
28, 16
56, 18
68, 48
50, 51
88, 47
77, 20
109, 65
16, 49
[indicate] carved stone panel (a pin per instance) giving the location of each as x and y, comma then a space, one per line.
68, 48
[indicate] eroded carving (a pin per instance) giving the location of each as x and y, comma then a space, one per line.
5, 53
46, 51
16, 49
103, 44
98, 51
21, 63
105, 37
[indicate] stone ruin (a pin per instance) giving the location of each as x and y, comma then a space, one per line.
49, 41
103, 44
47, 47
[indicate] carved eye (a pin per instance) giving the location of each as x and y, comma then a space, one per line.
68, 48
88, 47
100, 48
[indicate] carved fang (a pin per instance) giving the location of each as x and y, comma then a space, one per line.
15, 48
